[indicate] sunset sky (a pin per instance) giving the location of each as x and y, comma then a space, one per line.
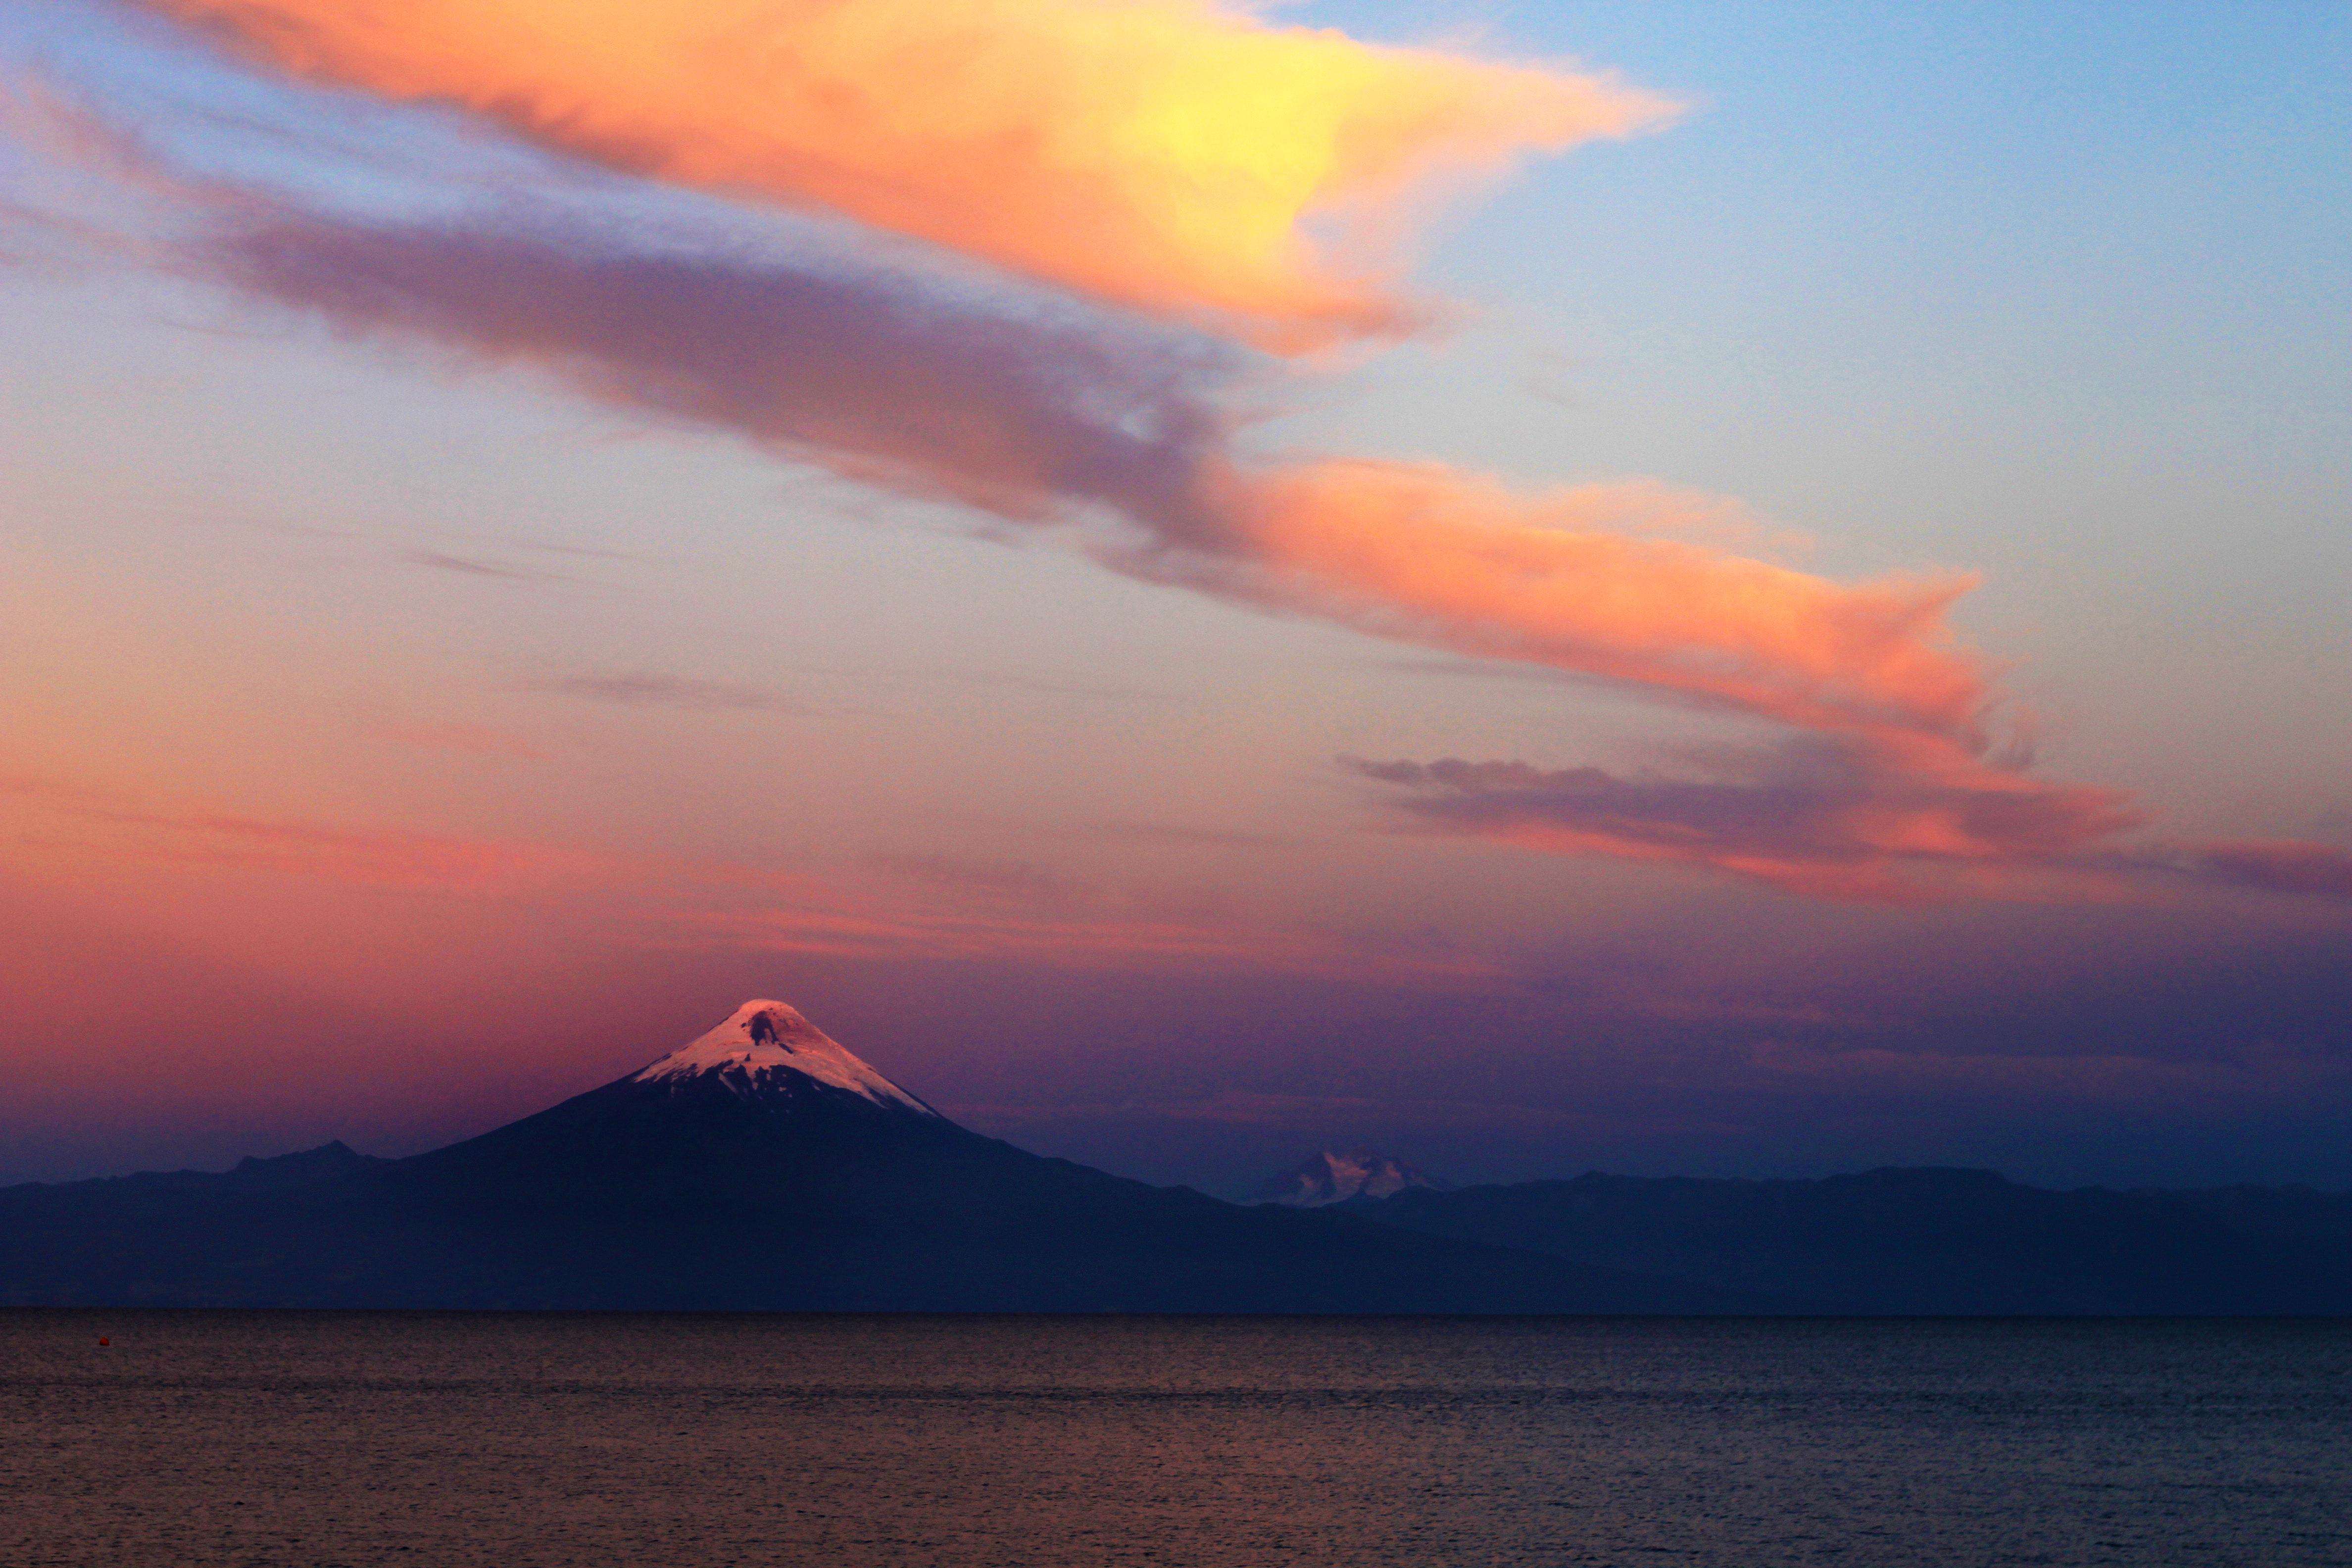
1669, 588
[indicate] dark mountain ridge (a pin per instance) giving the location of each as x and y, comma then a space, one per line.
1928, 1240
761, 1167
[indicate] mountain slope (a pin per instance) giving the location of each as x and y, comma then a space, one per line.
1927, 1241
761, 1167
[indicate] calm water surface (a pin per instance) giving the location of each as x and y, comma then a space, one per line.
312, 1439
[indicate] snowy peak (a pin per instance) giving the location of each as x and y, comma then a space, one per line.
1332, 1177
768, 1046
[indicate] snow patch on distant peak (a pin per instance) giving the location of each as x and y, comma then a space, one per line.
763, 1040
1333, 1177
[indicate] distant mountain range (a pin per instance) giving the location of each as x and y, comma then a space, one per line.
763, 1166
1927, 1241
1334, 1178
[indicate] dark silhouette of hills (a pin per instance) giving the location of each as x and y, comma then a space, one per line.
765, 1167
761, 1167
1926, 1240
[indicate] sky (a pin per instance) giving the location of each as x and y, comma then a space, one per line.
1673, 589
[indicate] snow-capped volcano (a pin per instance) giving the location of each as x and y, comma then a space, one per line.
768, 1048
759, 1168
1333, 1178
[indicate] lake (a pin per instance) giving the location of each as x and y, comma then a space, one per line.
301, 1438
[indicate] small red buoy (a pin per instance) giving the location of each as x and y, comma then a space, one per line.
104, 1340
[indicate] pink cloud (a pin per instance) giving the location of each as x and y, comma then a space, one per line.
1854, 816
1179, 156
1121, 438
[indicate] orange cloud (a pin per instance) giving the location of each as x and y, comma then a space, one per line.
1175, 155
1121, 438
1040, 424
1574, 579
1043, 425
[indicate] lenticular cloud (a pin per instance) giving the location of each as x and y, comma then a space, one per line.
1171, 155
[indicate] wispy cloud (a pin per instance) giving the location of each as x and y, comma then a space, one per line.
1019, 878
648, 688
1184, 837
473, 739
465, 567
363, 856
1054, 425
1051, 688
871, 376
925, 908
1860, 817
1836, 818
2276, 866
1109, 942
2092, 1078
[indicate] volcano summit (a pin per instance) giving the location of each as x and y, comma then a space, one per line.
767, 1051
